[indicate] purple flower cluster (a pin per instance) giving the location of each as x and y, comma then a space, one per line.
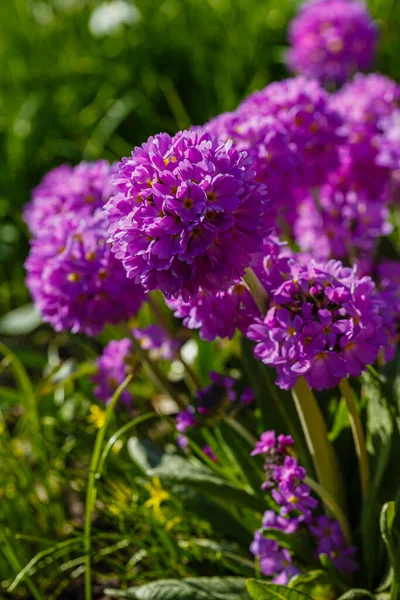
294, 508
187, 214
157, 341
365, 104
75, 280
211, 404
81, 189
323, 323
340, 223
114, 365
332, 39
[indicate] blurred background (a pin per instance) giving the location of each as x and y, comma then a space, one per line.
84, 79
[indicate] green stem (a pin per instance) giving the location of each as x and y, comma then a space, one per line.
157, 375
320, 448
256, 289
14, 563
91, 488
358, 434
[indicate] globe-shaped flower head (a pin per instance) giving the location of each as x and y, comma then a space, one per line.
332, 39
303, 111
187, 214
81, 189
323, 323
75, 280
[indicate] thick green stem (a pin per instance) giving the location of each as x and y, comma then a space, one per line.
358, 434
91, 487
256, 289
320, 448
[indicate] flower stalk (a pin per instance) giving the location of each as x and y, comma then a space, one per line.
321, 450
358, 434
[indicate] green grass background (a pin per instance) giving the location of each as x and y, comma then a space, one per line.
67, 95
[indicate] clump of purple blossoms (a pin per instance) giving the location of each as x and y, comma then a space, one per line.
389, 151
364, 104
303, 110
75, 280
187, 214
323, 323
292, 508
211, 404
220, 313
332, 39
114, 365
81, 189
157, 341
340, 223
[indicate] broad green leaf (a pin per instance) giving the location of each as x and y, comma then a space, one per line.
20, 321
380, 429
176, 470
390, 536
200, 588
144, 453
260, 590
357, 595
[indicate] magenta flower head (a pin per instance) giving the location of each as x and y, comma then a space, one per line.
341, 223
323, 323
187, 214
332, 39
114, 365
303, 110
75, 280
81, 189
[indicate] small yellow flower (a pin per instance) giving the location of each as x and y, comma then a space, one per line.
97, 416
157, 496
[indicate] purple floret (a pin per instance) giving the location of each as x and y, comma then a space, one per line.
187, 214
332, 39
75, 280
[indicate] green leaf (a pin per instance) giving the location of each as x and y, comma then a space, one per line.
390, 535
357, 595
176, 470
20, 321
200, 588
144, 453
260, 590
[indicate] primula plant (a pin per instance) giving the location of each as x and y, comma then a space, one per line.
219, 415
